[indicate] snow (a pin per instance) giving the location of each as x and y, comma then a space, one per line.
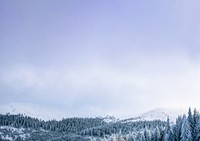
7, 138
17, 132
40, 112
24, 136
161, 114
13, 129
32, 111
49, 113
110, 119
158, 114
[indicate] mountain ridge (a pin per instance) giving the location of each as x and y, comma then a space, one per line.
46, 114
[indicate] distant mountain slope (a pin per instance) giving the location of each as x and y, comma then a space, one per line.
110, 119
41, 112
31, 110
48, 114
157, 114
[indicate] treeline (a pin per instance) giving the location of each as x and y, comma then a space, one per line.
186, 128
70, 125
124, 128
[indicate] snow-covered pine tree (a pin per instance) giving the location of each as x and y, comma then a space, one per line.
114, 137
198, 129
195, 125
147, 134
177, 128
131, 137
185, 130
168, 134
156, 135
140, 136
121, 138
190, 121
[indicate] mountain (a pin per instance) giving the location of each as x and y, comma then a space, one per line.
158, 114
32, 111
50, 113
20, 127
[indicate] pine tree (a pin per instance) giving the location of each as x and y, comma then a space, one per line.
121, 138
185, 130
147, 134
177, 128
190, 121
168, 134
131, 137
140, 136
157, 135
114, 137
195, 125
198, 129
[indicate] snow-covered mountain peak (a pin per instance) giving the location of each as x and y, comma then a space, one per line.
158, 114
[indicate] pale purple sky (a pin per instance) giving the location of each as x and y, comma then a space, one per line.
103, 57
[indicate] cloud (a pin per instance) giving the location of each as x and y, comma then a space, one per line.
105, 89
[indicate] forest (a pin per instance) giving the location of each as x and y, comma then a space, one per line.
21, 127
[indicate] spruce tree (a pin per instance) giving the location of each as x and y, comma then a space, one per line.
198, 129
190, 121
147, 134
195, 125
186, 130
177, 128
157, 135
168, 134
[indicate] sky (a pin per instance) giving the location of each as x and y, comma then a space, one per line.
93, 58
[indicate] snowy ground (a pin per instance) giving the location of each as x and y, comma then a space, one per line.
12, 133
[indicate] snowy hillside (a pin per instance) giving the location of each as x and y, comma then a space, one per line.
158, 114
148, 125
32, 111
110, 119
48, 114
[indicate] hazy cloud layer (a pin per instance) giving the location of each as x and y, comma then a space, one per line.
98, 58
